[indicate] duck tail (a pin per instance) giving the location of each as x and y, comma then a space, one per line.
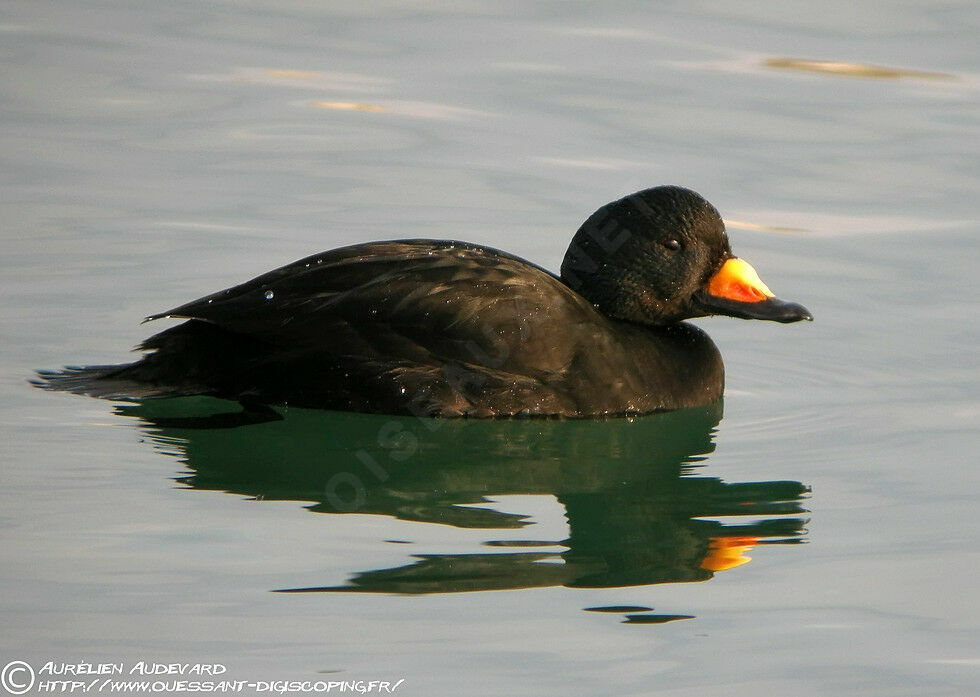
104, 381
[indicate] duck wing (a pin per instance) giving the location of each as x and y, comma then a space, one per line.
412, 301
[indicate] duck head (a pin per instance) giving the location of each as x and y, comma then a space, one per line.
660, 256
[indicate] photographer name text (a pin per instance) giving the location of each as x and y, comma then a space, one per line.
138, 668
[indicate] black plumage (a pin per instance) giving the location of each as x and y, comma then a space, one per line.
443, 328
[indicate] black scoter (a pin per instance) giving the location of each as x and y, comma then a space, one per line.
446, 328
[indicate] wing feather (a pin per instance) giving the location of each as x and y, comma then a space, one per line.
420, 299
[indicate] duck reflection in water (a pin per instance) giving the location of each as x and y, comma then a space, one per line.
638, 508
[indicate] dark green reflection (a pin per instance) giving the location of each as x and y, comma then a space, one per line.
638, 512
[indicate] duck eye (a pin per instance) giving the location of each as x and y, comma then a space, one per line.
672, 244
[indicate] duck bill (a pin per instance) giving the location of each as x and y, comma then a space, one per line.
737, 291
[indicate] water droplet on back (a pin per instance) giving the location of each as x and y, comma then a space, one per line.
269, 295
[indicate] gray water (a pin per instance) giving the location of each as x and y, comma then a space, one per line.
155, 152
